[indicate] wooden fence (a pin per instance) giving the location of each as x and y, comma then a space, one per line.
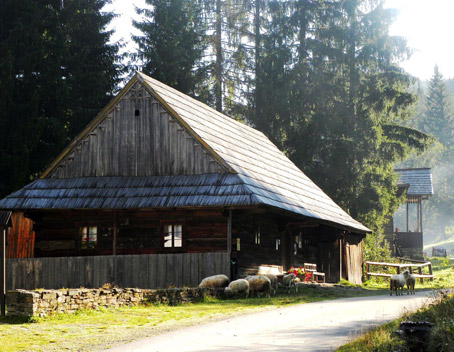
414, 265
142, 271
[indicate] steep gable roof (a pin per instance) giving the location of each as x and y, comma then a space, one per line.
267, 176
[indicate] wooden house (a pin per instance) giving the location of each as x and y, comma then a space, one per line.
160, 189
408, 240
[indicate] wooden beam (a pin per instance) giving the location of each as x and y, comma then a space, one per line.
114, 245
229, 233
3, 270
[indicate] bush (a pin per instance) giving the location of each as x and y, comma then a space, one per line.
376, 248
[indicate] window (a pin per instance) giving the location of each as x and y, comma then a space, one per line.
257, 239
173, 236
88, 237
278, 243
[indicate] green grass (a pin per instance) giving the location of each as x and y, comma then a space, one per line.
440, 313
443, 269
96, 330
384, 338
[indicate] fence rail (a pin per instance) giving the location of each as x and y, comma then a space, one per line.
143, 271
418, 266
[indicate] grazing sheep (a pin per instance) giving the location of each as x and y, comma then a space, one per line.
236, 287
411, 281
397, 283
288, 281
214, 281
273, 279
258, 284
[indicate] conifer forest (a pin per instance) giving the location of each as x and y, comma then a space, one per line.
320, 78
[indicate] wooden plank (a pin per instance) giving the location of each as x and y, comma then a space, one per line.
209, 264
170, 276
128, 267
98, 266
64, 273
179, 270
71, 272
80, 274
120, 270
48, 273
162, 270
135, 270
152, 270
186, 277
29, 274
143, 271
38, 273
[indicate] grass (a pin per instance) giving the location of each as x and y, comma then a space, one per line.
104, 328
96, 330
440, 313
443, 269
385, 339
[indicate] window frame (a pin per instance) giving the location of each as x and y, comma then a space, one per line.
172, 223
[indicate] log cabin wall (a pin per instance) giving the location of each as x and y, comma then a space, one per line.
137, 138
21, 237
58, 233
259, 241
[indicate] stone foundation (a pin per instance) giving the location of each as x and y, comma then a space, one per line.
47, 302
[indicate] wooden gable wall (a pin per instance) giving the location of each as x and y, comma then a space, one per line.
138, 137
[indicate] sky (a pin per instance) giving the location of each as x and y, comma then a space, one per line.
428, 26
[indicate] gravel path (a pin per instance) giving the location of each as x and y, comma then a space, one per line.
320, 326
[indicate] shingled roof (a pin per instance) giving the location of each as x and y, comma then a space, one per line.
261, 173
419, 181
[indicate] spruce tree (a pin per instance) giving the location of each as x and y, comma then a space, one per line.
439, 112
173, 43
57, 71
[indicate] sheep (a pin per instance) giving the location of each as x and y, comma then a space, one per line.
237, 287
288, 281
411, 281
397, 283
259, 284
215, 281
273, 279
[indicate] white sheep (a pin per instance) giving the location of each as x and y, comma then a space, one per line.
258, 284
237, 287
273, 279
215, 281
397, 283
288, 281
411, 282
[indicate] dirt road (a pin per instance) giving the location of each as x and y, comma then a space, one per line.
320, 326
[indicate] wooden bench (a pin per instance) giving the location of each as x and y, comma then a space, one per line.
316, 275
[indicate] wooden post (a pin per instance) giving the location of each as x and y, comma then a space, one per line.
420, 214
229, 245
284, 250
407, 216
229, 233
114, 245
3, 270
367, 271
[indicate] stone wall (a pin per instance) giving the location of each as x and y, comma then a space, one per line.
42, 303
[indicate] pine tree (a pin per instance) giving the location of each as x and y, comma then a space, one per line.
173, 43
57, 71
439, 113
